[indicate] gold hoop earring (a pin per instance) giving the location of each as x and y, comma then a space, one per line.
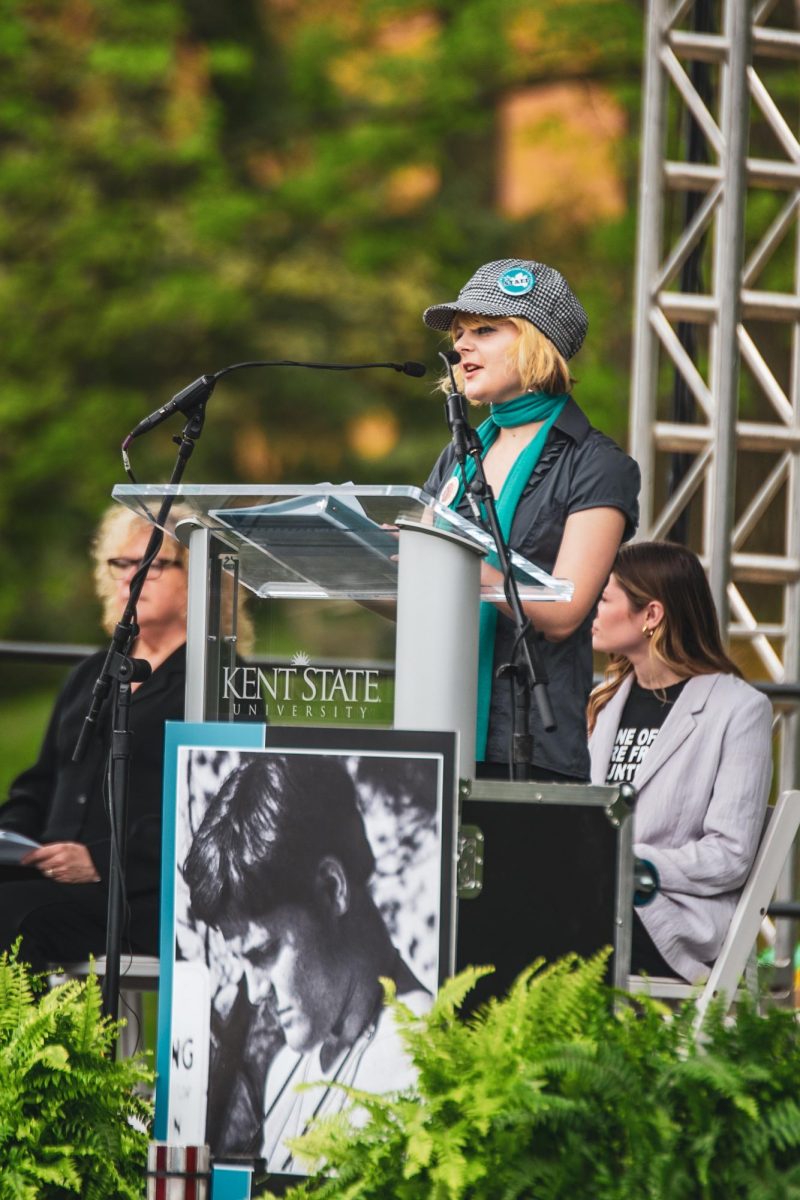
647, 632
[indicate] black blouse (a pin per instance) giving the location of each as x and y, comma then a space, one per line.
579, 468
59, 800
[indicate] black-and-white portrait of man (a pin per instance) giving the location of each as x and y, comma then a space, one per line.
306, 877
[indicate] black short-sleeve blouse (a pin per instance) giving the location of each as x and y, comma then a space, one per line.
579, 468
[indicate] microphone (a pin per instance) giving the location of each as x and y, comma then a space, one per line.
453, 359
183, 401
411, 368
465, 439
198, 392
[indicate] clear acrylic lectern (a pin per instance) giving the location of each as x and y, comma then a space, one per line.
386, 546
377, 545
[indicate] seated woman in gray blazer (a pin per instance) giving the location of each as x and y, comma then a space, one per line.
674, 717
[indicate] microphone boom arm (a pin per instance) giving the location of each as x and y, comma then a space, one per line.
199, 391
117, 672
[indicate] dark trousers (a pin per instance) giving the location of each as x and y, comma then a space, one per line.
645, 958
66, 922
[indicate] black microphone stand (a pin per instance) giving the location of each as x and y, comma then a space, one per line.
525, 671
119, 671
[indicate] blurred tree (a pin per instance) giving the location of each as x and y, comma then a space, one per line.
185, 184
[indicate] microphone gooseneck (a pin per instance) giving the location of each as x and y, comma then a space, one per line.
465, 439
407, 368
451, 358
198, 392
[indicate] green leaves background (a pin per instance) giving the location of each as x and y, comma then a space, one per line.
186, 184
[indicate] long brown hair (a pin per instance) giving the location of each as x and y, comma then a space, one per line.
688, 639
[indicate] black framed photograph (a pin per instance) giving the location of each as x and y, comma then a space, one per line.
307, 871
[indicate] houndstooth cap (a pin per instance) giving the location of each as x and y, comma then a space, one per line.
517, 287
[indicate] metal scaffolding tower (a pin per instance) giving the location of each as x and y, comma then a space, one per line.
715, 400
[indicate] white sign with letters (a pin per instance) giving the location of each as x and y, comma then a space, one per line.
190, 1036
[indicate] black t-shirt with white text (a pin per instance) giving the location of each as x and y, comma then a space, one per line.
644, 713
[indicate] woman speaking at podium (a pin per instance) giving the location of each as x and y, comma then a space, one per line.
566, 494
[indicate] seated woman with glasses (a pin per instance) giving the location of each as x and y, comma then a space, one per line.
56, 897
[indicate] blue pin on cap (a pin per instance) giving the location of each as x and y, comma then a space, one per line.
516, 282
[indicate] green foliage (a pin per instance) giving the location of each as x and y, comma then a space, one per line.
561, 1089
184, 185
71, 1122
27, 715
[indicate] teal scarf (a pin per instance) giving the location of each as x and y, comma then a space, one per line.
533, 406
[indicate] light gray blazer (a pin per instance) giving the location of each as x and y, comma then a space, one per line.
702, 791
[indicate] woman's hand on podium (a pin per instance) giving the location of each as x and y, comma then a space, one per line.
63, 862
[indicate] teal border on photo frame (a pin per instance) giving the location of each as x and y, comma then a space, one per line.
230, 1183
224, 734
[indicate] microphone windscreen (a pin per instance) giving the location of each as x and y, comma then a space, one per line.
452, 356
414, 368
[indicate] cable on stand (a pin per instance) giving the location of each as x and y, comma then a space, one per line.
525, 670
119, 671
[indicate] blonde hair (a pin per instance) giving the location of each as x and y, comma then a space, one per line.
117, 526
688, 639
540, 366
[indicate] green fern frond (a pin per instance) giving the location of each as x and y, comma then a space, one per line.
564, 1088
64, 1100
453, 992
93, 1026
727, 1080
783, 1124
16, 992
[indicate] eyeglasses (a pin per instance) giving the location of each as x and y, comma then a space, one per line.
118, 568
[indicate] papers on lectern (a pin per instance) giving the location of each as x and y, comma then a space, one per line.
321, 539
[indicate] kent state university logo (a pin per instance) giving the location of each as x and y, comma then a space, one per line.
302, 691
516, 282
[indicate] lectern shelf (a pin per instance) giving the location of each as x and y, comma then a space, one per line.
281, 531
342, 542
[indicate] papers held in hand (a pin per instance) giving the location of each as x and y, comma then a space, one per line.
14, 846
322, 540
